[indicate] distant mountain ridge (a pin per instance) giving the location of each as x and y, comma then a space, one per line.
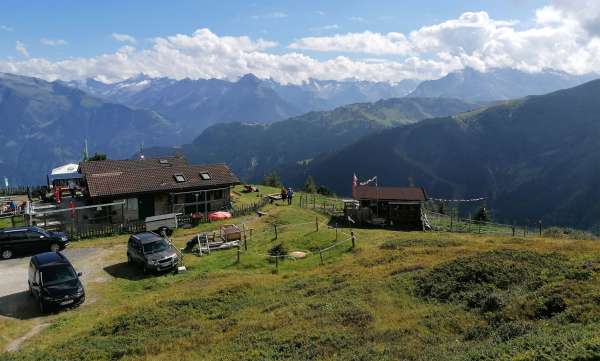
533, 158
44, 124
254, 149
197, 104
497, 84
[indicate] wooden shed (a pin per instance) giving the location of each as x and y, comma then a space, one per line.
397, 207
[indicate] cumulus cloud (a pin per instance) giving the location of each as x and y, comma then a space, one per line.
22, 49
124, 38
53, 42
561, 37
365, 42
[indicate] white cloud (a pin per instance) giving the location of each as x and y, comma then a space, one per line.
124, 38
22, 49
53, 42
563, 38
560, 38
366, 42
6, 28
273, 15
357, 19
325, 28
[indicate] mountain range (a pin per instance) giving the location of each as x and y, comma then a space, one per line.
536, 158
45, 124
497, 84
195, 105
255, 149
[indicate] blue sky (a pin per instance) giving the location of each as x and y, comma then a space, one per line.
43, 37
86, 26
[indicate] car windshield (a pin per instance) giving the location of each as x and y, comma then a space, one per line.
54, 275
41, 231
157, 246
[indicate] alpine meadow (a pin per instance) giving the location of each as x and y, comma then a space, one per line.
300, 181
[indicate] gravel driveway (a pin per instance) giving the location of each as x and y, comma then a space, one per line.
15, 301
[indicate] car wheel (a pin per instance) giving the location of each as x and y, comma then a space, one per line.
54, 247
7, 254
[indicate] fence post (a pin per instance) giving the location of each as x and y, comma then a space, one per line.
276, 262
513, 228
245, 239
540, 224
336, 232
317, 223
238, 254
469, 223
451, 220
321, 256
353, 239
250, 234
275, 226
479, 227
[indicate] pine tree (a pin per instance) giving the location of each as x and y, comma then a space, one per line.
272, 180
482, 215
310, 186
98, 156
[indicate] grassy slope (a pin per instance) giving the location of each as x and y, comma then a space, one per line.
361, 305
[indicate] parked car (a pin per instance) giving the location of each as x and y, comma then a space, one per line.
30, 240
152, 252
54, 282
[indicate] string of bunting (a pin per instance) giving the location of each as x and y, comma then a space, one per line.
458, 200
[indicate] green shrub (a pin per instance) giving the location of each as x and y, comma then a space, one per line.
570, 233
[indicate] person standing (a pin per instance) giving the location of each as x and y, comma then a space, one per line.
283, 194
290, 194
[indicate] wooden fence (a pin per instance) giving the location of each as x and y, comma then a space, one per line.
454, 223
103, 230
247, 209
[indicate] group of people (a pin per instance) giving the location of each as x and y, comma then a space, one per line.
11, 207
287, 194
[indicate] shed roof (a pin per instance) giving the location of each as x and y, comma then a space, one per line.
408, 194
110, 178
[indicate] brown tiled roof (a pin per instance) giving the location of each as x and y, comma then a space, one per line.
111, 178
410, 194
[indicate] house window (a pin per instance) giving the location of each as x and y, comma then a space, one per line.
132, 204
218, 194
205, 176
179, 178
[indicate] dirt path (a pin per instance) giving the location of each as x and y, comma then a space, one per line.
15, 345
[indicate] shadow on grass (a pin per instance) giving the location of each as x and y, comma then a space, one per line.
20, 305
126, 271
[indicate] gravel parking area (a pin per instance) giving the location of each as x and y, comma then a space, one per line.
15, 301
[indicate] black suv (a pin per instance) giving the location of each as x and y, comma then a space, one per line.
152, 252
30, 240
54, 282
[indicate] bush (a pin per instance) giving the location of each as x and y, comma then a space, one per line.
278, 250
570, 233
480, 280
